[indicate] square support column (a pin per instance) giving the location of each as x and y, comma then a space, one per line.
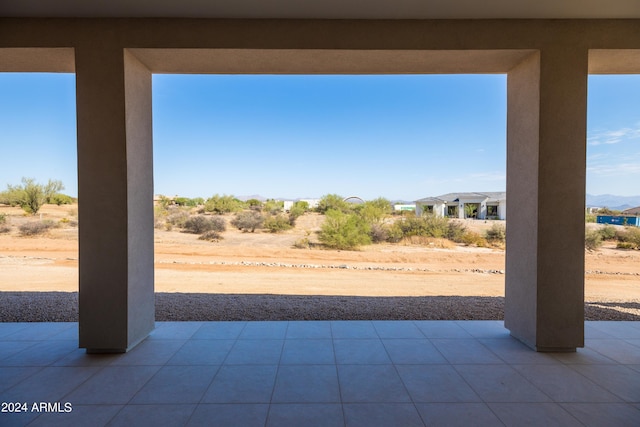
115, 192
546, 172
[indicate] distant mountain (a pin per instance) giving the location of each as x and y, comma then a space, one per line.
612, 201
254, 196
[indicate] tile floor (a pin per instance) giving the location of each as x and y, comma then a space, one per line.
345, 373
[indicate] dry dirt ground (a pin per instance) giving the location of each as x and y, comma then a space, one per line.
267, 265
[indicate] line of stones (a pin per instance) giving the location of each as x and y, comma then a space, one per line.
349, 267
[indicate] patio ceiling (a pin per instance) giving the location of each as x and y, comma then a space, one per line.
327, 9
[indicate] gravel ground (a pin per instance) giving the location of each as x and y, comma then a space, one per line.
63, 307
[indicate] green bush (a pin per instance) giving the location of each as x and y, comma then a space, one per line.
60, 199
411, 226
201, 224
3, 218
273, 207
590, 218
608, 232
375, 211
248, 221
394, 234
297, 210
333, 202
223, 204
497, 233
436, 226
592, 239
277, 223
344, 231
36, 228
427, 226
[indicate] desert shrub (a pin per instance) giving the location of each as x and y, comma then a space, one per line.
629, 235
436, 226
3, 218
159, 217
428, 225
394, 233
201, 224
375, 211
608, 232
30, 196
302, 243
4, 229
333, 202
223, 204
35, 228
247, 220
300, 206
273, 207
589, 218
298, 209
177, 217
379, 233
277, 223
344, 231
607, 211
429, 241
60, 199
254, 205
471, 238
497, 233
211, 236
411, 226
592, 239
456, 231
622, 245
187, 202
181, 201
163, 201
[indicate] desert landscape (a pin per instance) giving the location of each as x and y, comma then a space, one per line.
261, 275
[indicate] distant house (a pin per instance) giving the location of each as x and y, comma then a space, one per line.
488, 205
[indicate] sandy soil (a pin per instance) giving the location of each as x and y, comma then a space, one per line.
264, 263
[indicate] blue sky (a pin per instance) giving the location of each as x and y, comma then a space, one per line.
400, 137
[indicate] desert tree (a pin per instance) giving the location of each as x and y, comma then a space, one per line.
375, 211
333, 202
30, 195
247, 220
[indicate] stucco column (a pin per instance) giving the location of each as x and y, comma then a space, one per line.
546, 169
115, 192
